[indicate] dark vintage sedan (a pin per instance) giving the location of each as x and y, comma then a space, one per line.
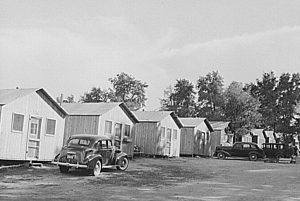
240, 149
92, 153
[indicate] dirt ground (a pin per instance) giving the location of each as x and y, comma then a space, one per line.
158, 179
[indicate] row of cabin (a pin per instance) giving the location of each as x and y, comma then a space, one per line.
33, 126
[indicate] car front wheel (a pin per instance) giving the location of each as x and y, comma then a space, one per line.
253, 157
221, 155
123, 164
97, 168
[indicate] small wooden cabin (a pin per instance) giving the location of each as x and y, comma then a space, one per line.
158, 133
31, 125
221, 134
195, 137
112, 119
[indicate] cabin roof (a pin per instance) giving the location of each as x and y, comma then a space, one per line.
156, 116
194, 122
9, 95
98, 109
219, 124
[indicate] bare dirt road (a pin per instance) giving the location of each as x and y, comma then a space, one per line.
158, 179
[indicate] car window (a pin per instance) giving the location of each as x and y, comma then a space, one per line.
80, 142
253, 146
246, 146
237, 146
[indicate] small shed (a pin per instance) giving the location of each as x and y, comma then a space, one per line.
31, 125
158, 133
195, 137
221, 134
112, 119
259, 136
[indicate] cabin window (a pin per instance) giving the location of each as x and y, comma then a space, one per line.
108, 127
118, 130
17, 122
207, 136
127, 130
50, 127
175, 134
169, 134
163, 132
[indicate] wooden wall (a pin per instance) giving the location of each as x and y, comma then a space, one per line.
146, 137
187, 141
79, 124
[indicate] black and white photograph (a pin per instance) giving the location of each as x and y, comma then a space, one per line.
145, 100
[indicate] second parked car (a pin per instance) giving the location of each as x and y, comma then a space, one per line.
240, 149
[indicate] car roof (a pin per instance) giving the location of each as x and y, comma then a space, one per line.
246, 143
91, 137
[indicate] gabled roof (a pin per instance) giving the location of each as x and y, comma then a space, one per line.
194, 122
156, 116
98, 109
9, 95
219, 124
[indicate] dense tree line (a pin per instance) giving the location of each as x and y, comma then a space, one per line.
269, 103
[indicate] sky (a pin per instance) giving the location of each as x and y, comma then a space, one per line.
69, 46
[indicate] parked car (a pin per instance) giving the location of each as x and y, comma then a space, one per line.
279, 150
240, 149
92, 153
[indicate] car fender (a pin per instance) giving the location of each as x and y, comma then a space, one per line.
257, 153
119, 156
225, 152
92, 161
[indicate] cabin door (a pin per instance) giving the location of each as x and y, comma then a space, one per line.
33, 138
168, 141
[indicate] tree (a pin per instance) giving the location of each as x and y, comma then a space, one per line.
69, 99
210, 96
181, 100
241, 108
279, 98
265, 91
98, 95
129, 90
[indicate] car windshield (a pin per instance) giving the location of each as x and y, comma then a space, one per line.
80, 142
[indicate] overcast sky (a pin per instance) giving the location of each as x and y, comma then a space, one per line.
70, 46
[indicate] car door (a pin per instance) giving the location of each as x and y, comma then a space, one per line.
106, 150
236, 150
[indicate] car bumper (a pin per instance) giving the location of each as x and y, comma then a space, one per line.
77, 165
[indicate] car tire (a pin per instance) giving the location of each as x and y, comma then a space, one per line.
221, 155
97, 168
64, 169
123, 164
253, 157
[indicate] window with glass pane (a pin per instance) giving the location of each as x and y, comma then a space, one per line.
127, 130
118, 130
108, 127
17, 123
50, 127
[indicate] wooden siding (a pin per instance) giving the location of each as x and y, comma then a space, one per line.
77, 124
215, 139
146, 137
13, 145
117, 115
187, 141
